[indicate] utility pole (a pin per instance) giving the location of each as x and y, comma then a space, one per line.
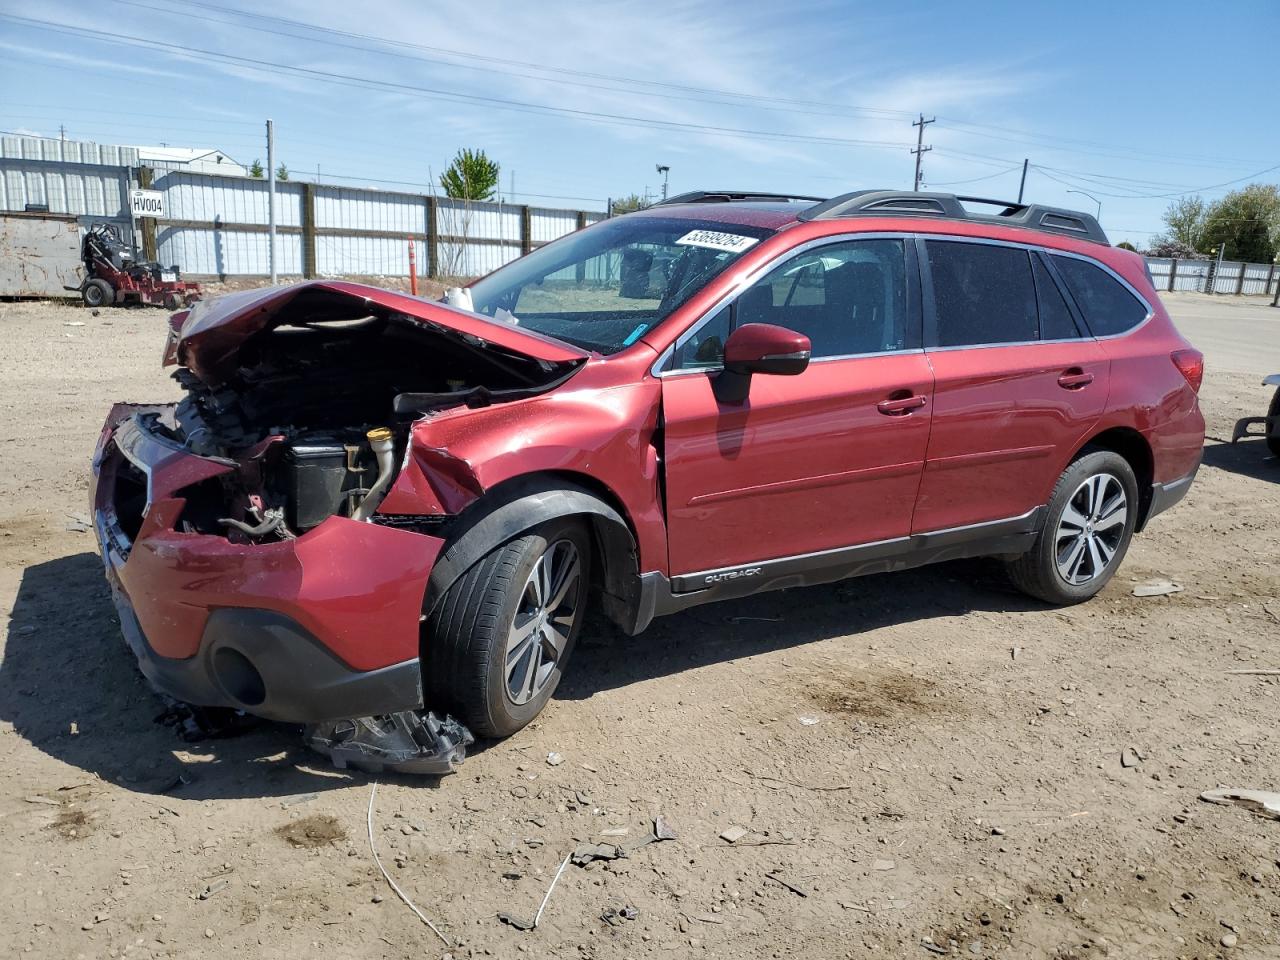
1023, 185
920, 148
664, 170
271, 198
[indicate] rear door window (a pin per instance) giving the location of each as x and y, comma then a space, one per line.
983, 294
1108, 306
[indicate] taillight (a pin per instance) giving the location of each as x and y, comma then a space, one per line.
1190, 364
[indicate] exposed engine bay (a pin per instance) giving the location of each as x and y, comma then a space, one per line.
316, 408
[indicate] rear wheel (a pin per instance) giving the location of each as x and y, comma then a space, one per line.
96, 293
1091, 518
500, 637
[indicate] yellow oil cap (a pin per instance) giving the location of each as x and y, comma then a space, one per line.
378, 434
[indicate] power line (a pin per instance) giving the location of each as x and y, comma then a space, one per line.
1168, 196
749, 100
497, 102
756, 99
883, 113
1027, 136
989, 176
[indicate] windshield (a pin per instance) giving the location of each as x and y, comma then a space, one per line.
604, 288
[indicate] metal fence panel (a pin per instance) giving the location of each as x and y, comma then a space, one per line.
548, 225
214, 223
344, 208
367, 256
207, 197
1256, 276
475, 260
479, 220
227, 252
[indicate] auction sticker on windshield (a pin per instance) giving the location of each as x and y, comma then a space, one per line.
715, 240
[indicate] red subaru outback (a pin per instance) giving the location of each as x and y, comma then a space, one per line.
373, 514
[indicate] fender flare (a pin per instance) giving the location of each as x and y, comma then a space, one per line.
521, 504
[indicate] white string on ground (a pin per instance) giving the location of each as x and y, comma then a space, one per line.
400, 893
554, 880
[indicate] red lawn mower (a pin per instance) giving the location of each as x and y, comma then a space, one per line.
115, 275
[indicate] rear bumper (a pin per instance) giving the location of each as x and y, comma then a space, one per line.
319, 628
1165, 495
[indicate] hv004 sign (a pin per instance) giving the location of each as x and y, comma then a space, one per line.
146, 203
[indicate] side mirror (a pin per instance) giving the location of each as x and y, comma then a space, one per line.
760, 348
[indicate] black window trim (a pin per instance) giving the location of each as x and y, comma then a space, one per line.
914, 298
1073, 310
930, 309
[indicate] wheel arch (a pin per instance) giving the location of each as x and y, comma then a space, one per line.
520, 503
1133, 446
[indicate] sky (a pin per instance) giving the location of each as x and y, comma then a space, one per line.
1134, 104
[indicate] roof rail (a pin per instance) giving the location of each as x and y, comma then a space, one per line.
731, 196
948, 206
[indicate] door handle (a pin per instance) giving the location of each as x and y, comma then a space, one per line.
1075, 379
901, 406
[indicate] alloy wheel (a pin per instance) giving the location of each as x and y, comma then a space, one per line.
1091, 529
544, 620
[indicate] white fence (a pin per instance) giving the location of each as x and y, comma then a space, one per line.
217, 225
1209, 276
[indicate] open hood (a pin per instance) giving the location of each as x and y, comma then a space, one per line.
213, 332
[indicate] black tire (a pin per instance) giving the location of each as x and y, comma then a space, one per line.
97, 293
465, 656
1038, 571
1273, 431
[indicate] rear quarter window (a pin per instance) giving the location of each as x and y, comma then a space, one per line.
1108, 306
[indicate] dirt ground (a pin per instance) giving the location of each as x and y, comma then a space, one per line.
923, 763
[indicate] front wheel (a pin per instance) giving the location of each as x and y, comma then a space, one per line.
1091, 518
499, 639
96, 293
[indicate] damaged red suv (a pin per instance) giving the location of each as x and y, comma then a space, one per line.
385, 518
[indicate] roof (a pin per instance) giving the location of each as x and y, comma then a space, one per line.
181, 153
751, 209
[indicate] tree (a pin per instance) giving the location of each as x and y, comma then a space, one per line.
256, 171
1247, 221
1172, 249
1185, 219
630, 204
282, 172
1126, 245
471, 176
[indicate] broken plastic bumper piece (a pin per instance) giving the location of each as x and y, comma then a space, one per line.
413, 741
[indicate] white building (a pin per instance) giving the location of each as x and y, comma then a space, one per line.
195, 159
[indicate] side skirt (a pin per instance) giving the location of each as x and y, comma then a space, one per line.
659, 596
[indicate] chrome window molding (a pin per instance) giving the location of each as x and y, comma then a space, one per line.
744, 282
741, 285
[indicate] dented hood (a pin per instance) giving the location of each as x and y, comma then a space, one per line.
213, 331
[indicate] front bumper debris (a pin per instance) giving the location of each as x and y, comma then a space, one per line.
409, 742
312, 630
